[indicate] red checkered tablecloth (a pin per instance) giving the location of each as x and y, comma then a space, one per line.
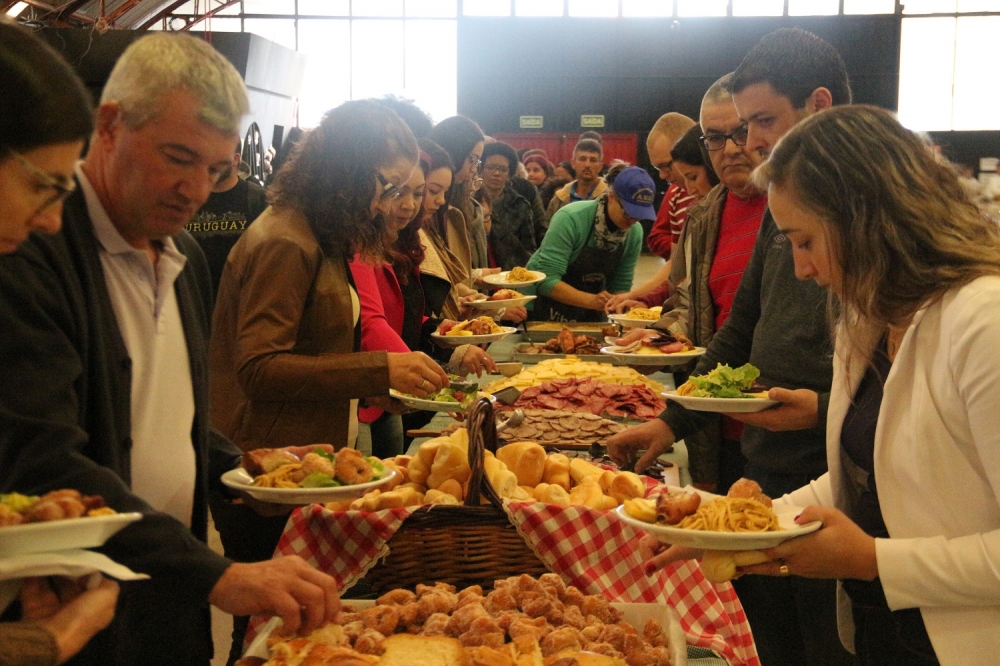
594, 550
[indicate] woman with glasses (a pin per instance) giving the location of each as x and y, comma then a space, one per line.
45, 117
692, 164
462, 139
287, 366
393, 312
511, 239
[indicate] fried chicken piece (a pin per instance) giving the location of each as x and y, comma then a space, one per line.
654, 633
614, 636
382, 619
537, 628
749, 489
370, 642
500, 600
471, 595
436, 625
565, 339
436, 587
396, 597
463, 618
561, 639
484, 631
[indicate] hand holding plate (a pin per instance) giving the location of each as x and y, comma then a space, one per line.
799, 410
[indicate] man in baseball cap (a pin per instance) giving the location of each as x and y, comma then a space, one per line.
634, 190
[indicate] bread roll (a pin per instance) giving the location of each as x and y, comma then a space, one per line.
557, 470
526, 460
454, 488
402, 475
588, 495
719, 566
407, 649
579, 469
390, 500
609, 503
435, 496
450, 462
605, 480
522, 494
505, 483
627, 485
551, 493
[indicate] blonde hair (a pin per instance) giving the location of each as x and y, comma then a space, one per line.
160, 63
898, 222
671, 125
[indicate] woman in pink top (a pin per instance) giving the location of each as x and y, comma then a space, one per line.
392, 313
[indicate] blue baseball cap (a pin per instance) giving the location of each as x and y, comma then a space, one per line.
635, 191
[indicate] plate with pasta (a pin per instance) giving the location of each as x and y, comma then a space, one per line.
637, 317
515, 277
275, 475
720, 522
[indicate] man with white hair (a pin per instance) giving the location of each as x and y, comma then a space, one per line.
104, 349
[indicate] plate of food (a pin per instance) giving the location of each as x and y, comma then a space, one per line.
449, 399
743, 519
724, 389
514, 278
279, 476
473, 331
502, 298
59, 520
637, 317
653, 348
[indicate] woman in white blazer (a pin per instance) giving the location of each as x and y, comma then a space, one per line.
910, 510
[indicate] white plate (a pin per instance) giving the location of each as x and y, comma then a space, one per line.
499, 280
721, 405
498, 305
431, 405
677, 358
456, 340
726, 540
628, 322
240, 479
56, 535
634, 614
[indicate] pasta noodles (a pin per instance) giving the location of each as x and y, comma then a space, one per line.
284, 477
520, 274
732, 514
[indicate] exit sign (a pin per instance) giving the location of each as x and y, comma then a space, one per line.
591, 121
532, 122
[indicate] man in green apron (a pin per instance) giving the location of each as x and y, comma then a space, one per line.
591, 247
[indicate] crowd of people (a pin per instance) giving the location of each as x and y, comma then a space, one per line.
159, 316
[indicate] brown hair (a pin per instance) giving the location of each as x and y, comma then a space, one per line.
331, 176
899, 223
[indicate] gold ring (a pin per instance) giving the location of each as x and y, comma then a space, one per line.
783, 570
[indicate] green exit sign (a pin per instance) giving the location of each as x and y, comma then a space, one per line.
591, 121
532, 122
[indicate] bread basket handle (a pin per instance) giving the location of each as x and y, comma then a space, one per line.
482, 426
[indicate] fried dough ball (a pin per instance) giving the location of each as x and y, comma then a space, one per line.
505, 618
614, 636
436, 625
603, 648
471, 595
435, 602
538, 605
560, 639
536, 628
654, 633
484, 631
592, 632
749, 489
436, 587
463, 617
353, 629
396, 597
382, 619
370, 642
657, 656
500, 600
573, 617
573, 597
352, 467
597, 606
408, 614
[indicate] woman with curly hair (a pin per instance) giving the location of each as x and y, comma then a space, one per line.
286, 360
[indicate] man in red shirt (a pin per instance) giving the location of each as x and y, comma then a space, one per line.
673, 211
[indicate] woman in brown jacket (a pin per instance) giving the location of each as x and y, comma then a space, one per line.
285, 362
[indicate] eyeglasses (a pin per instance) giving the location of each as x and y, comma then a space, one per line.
63, 187
473, 160
389, 191
718, 141
497, 169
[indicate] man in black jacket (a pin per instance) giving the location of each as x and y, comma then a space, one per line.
97, 321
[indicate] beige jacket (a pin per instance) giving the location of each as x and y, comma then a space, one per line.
562, 197
282, 360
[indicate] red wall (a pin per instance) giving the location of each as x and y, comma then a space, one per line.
559, 146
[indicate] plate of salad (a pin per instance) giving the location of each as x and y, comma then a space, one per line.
723, 390
457, 397
319, 476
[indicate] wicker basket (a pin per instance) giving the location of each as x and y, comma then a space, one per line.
474, 544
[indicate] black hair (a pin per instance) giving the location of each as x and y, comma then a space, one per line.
504, 150
43, 100
591, 134
566, 164
588, 146
689, 149
795, 62
418, 120
458, 135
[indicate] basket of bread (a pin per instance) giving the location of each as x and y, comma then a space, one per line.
460, 532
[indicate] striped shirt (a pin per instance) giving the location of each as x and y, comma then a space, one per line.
670, 220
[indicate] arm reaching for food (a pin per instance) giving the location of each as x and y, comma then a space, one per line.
654, 436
